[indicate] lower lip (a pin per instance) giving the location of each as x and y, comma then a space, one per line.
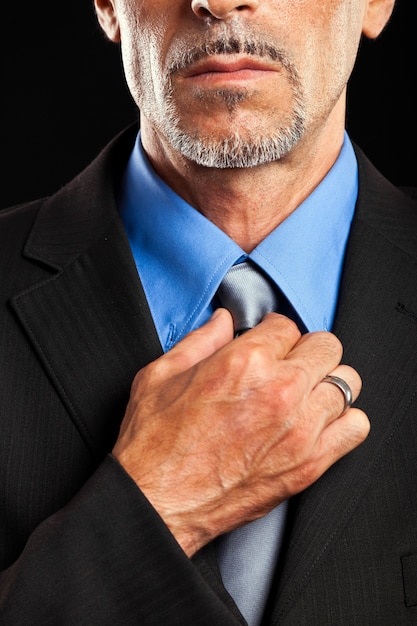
237, 76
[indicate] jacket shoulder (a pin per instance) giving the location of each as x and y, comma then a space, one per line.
410, 191
16, 223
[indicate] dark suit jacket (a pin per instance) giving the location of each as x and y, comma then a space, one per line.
79, 543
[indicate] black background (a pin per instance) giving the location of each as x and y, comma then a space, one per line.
64, 96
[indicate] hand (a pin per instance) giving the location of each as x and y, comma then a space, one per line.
219, 430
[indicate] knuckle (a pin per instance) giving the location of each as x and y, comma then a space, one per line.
329, 344
290, 386
285, 403
253, 358
359, 425
138, 380
288, 326
147, 374
332, 343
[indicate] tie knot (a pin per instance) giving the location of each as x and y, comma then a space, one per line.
248, 294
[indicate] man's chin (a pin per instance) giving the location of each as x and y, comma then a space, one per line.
228, 152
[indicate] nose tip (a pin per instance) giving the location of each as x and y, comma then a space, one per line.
221, 9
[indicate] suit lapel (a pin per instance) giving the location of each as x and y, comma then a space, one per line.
376, 323
92, 329
89, 323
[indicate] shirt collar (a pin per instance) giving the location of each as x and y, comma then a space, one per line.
305, 254
182, 257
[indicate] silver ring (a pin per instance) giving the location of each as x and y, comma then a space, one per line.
344, 388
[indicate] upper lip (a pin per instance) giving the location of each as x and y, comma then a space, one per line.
226, 64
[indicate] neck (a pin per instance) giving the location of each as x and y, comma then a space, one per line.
247, 204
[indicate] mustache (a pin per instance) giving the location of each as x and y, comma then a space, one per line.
182, 60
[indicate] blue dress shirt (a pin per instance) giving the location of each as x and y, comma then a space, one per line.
182, 257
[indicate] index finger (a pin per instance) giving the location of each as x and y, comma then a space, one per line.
200, 343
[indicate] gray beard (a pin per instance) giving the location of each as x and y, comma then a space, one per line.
235, 150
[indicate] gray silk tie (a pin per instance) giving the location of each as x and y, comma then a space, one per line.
248, 294
247, 556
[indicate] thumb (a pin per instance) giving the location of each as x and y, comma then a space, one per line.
201, 343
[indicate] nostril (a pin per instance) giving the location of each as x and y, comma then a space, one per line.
220, 9
199, 7
202, 12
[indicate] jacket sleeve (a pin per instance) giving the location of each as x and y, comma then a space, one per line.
107, 558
